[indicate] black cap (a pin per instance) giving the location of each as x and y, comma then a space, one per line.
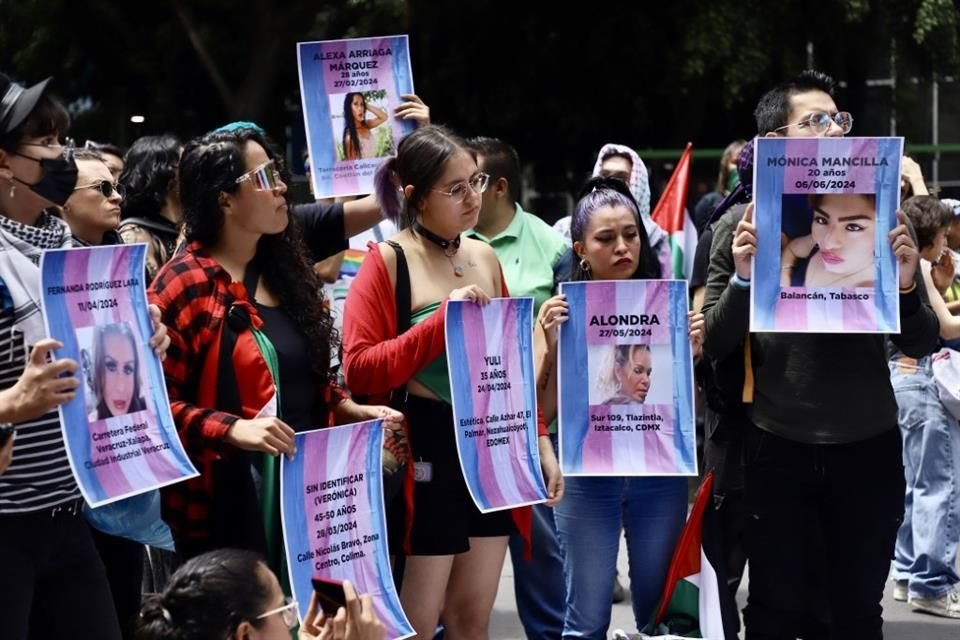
17, 102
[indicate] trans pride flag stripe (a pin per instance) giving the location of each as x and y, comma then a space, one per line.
669, 446
148, 450
334, 522
496, 426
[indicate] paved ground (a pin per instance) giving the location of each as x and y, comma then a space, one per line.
900, 622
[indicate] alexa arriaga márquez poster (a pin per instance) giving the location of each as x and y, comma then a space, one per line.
490, 362
626, 380
349, 90
824, 207
334, 522
119, 433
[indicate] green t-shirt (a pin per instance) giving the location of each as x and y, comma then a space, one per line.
528, 250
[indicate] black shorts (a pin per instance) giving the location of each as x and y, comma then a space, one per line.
445, 516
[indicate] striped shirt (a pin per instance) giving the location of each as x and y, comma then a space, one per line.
39, 476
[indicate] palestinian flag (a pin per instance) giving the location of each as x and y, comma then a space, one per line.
695, 601
672, 216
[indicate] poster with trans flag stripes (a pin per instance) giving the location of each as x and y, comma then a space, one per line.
625, 369
334, 522
119, 433
349, 90
823, 210
490, 361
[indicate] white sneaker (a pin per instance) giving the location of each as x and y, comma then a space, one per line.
900, 590
947, 605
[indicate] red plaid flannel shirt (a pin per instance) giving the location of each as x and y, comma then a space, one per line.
192, 291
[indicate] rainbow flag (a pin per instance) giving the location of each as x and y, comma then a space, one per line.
352, 259
674, 218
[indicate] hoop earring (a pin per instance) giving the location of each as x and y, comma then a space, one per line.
584, 265
13, 190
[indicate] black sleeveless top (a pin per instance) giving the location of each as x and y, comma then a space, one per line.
300, 390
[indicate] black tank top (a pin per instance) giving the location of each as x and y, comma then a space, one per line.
300, 389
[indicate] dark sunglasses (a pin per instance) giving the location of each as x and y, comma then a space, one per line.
105, 187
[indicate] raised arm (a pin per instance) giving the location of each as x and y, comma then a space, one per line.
379, 116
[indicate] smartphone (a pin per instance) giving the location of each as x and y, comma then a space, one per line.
6, 430
330, 595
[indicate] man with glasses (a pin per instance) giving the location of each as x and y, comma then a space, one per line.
824, 478
529, 251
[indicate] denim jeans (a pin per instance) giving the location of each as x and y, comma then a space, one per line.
926, 551
651, 512
538, 584
832, 508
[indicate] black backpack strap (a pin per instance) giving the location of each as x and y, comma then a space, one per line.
402, 289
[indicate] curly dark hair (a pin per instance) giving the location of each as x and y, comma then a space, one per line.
208, 597
210, 166
928, 215
149, 173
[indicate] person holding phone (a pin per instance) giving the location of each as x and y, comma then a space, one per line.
232, 594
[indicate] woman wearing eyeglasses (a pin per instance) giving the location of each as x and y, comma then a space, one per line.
46, 549
455, 553
232, 594
250, 361
610, 243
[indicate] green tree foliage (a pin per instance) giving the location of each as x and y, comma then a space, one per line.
555, 79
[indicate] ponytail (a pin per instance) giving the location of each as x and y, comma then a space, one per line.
156, 622
388, 192
208, 597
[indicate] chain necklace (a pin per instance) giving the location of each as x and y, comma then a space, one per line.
450, 247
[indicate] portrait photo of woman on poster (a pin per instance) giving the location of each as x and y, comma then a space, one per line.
839, 251
359, 140
115, 372
629, 375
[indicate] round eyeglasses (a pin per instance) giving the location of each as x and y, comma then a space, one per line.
458, 192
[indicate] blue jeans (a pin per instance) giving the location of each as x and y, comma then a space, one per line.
926, 551
538, 584
651, 511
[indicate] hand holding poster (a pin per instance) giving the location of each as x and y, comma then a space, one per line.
120, 436
350, 89
627, 344
334, 527
823, 209
490, 360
